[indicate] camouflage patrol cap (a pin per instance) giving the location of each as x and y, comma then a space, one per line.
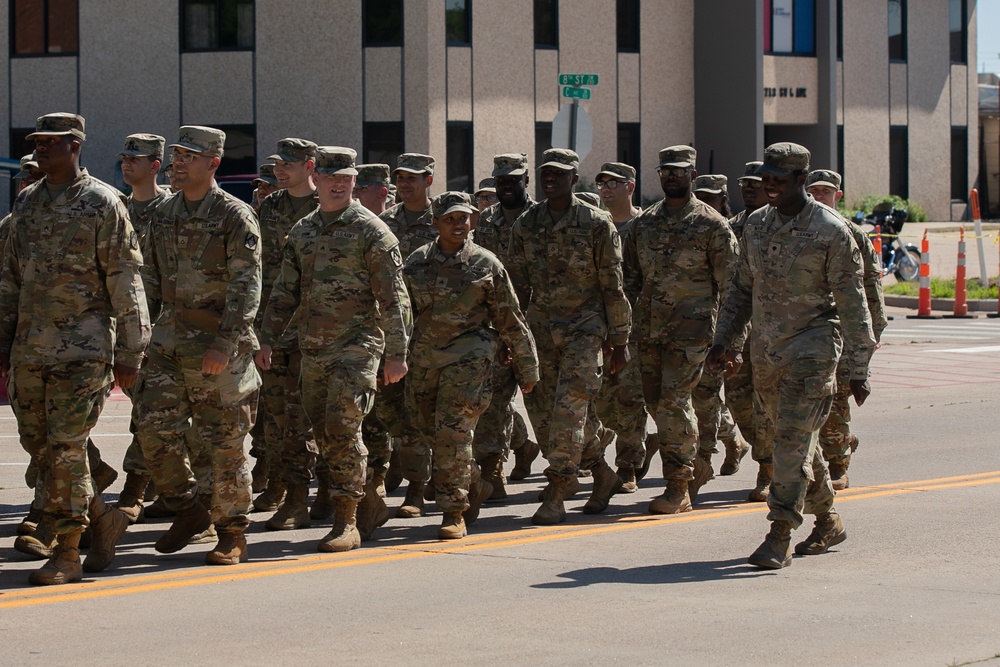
617, 170
510, 164
560, 158
487, 185
823, 177
750, 171
589, 197
332, 160
784, 158
265, 173
369, 174
415, 163
59, 124
144, 145
201, 139
294, 150
447, 202
715, 184
678, 156
27, 164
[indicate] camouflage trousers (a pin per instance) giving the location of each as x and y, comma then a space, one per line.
34, 477
444, 405
748, 411
377, 441
622, 409
258, 444
291, 448
797, 398
496, 425
56, 407
706, 398
835, 436
338, 391
669, 374
561, 406
177, 397
390, 418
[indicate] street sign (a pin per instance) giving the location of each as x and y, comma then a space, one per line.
577, 79
573, 129
577, 93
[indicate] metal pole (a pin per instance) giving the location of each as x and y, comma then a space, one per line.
572, 124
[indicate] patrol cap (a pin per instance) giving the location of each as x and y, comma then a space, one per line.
750, 171
823, 177
678, 156
200, 139
415, 163
294, 150
369, 174
265, 173
589, 197
59, 124
332, 160
27, 164
448, 202
510, 164
144, 145
715, 184
487, 185
617, 170
560, 158
784, 158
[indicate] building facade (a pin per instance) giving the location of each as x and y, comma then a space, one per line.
880, 89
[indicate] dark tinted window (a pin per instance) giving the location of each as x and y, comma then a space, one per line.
897, 29
628, 152
383, 143
546, 24
209, 25
959, 163
543, 142
460, 157
43, 27
458, 22
383, 22
240, 150
899, 161
957, 22
628, 25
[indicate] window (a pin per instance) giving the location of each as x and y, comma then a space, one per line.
958, 28
628, 25
214, 25
459, 137
240, 151
458, 22
790, 27
840, 155
629, 153
840, 29
543, 142
897, 29
899, 161
383, 143
383, 22
959, 163
546, 24
45, 27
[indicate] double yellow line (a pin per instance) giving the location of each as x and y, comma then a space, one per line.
167, 580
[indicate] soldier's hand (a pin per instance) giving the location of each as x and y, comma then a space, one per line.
125, 376
861, 389
715, 361
606, 347
263, 357
527, 387
4, 364
504, 356
214, 362
619, 357
394, 370
733, 363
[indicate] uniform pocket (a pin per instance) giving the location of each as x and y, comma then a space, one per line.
239, 381
820, 387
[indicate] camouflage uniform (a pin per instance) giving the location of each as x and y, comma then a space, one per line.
343, 277
203, 280
677, 265
73, 260
461, 303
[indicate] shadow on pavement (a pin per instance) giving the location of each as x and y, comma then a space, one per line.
670, 573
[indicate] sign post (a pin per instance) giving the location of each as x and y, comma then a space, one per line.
578, 130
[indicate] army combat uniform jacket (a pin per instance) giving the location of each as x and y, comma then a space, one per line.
410, 236
493, 230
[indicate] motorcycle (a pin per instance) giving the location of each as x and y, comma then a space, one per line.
901, 259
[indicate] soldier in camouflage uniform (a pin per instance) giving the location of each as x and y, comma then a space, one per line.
835, 438
499, 424
341, 273
679, 257
203, 281
463, 305
485, 195
291, 446
265, 183
565, 262
373, 187
800, 278
72, 258
620, 405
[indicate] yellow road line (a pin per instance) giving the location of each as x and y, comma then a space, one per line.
172, 579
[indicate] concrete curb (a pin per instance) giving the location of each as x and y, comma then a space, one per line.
946, 305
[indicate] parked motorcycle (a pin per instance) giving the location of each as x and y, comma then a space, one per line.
901, 259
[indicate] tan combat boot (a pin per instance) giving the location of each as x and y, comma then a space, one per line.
294, 512
40, 543
492, 467
64, 565
188, 523
231, 549
764, 476
480, 489
838, 473
572, 488
652, 449
606, 484
736, 449
322, 507
413, 503
673, 500
109, 525
270, 500
629, 481
372, 511
345, 535
703, 474
30, 522
775, 552
553, 509
259, 475
103, 476
452, 526
206, 536
827, 532
130, 499
524, 456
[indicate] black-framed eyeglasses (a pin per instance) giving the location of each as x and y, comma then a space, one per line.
610, 184
676, 172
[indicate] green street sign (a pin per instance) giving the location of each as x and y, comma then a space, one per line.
577, 80
578, 93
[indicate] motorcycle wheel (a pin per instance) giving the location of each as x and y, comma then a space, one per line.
908, 267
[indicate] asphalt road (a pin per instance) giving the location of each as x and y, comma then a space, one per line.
916, 583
